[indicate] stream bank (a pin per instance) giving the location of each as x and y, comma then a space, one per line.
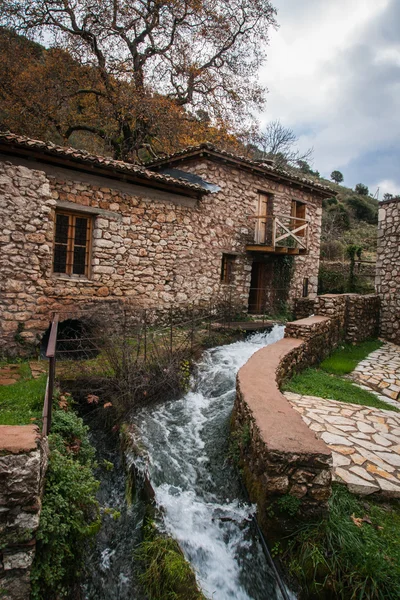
200, 498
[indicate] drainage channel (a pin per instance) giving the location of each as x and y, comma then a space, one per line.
196, 488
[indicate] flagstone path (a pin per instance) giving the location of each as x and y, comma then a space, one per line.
9, 374
381, 371
365, 442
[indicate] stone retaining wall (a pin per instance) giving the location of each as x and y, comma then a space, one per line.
388, 269
23, 462
280, 455
356, 315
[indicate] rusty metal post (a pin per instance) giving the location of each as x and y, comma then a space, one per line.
192, 331
51, 355
171, 330
145, 336
209, 320
50, 391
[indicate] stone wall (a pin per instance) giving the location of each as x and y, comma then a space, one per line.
153, 248
241, 190
356, 316
388, 269
23, 462
362, 319
282, 455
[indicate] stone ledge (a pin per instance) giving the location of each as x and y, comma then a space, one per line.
18, 439
282, 428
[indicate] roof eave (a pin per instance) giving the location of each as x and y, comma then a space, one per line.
213, 155
74, 163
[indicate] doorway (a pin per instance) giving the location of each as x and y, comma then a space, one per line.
260, 287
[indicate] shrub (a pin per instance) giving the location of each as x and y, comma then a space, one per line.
70, 511
363, 211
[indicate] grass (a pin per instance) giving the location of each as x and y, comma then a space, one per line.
353, 554
326, 381
345, 359
22, 402
314, 382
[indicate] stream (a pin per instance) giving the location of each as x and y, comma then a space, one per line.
201, 499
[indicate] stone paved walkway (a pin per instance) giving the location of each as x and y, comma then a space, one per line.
9, 374
365, 442
381, 371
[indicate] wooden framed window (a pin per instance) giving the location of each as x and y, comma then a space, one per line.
227, 265
73, 233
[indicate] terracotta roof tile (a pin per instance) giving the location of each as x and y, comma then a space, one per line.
267, 166
83, 157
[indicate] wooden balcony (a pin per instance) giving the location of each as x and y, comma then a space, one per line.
280, 234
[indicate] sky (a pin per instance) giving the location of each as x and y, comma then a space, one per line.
333, 75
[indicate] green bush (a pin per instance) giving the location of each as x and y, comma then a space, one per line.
331, 282
70, 512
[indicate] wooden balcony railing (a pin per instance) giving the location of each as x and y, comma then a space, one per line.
280, 234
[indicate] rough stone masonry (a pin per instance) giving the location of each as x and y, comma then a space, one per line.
157, 248
388, 268
23, 462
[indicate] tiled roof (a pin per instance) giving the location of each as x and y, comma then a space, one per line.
267, 166
81, 157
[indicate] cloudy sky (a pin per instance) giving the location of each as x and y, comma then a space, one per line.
333, 74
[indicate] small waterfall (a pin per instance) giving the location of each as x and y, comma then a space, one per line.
196, 488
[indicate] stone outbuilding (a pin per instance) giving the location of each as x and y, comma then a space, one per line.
78, 229
388, 268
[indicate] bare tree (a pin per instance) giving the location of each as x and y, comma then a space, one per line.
280, 143
202, 55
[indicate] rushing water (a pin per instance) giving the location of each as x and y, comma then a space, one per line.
109, 565
201, 499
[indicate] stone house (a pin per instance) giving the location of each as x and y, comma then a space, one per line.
78, 229
388, 268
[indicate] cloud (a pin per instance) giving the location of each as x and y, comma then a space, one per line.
334, 76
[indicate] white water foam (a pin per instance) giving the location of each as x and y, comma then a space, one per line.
186, 442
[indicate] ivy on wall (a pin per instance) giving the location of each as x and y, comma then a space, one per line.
283, 269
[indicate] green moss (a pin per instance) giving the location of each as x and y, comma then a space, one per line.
166, 573
289, 505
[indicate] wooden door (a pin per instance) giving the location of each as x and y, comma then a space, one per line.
260, 287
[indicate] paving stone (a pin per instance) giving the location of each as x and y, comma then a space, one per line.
365, 427
389, 488
355, 483
381, 440
389, 457
339, 460
377, 471
358, 459
362, 473
364, 444
339, 440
